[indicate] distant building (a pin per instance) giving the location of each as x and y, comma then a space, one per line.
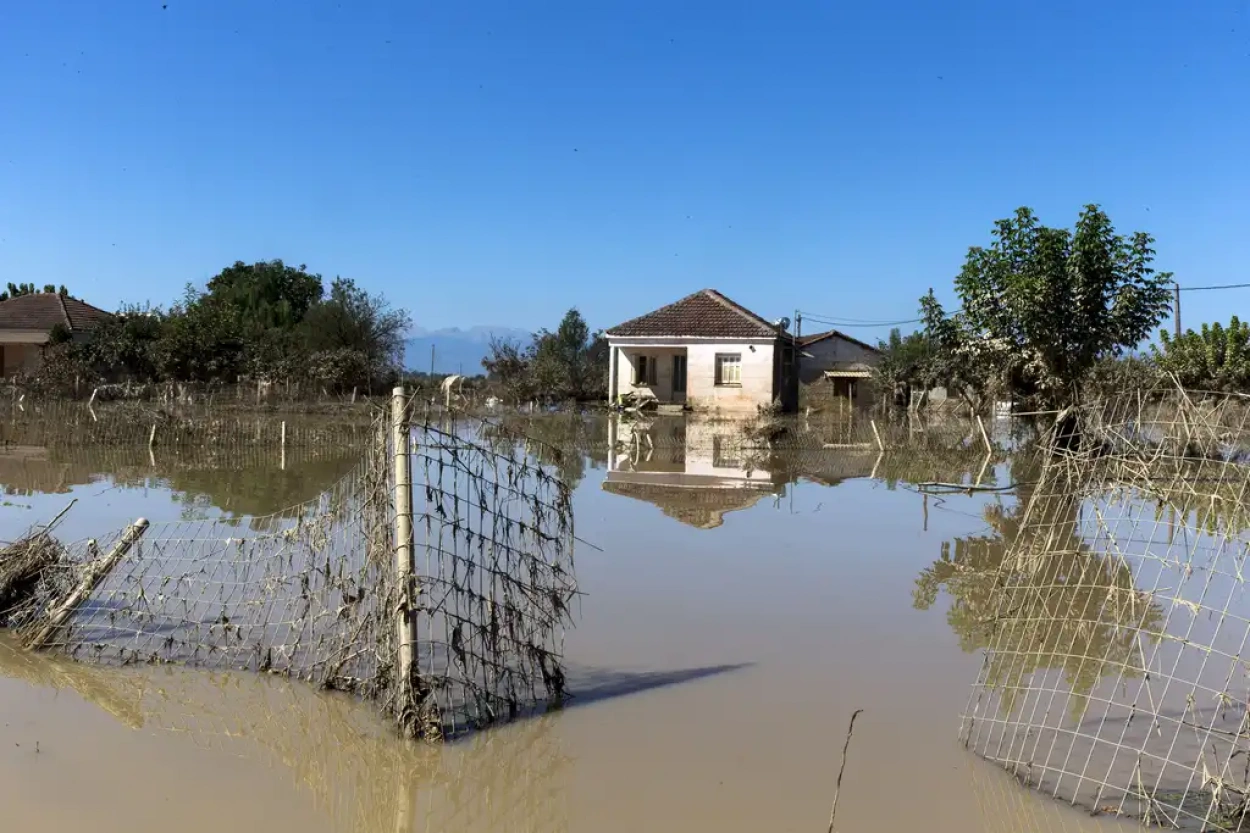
27, 321
705, 352
833, 365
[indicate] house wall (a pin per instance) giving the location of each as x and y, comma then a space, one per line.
825, 353
758, 375
663, 387
20, 357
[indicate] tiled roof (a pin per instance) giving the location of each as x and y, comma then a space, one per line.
700, 508
705, 314
44, 310
815, 337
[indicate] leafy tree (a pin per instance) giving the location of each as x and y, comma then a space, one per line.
16, 290
200, 343
906, 365
266, 294
568, 364
1114, 374
1216, 358
507, 364
1040, 306
352, 319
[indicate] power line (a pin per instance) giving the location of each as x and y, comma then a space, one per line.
851, 322
832, 321
1218, 286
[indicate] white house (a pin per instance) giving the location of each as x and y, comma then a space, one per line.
704, 352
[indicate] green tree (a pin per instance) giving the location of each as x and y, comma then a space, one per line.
507, 365
266, 294
1040, 306
906, 365
351, 319
1217, 358
567, 364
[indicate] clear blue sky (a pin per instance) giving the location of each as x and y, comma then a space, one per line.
496, 162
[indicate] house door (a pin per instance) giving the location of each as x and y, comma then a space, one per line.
679, 374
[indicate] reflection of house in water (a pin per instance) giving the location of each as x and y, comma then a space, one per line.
695, 472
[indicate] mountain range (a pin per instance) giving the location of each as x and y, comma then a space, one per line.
456, 350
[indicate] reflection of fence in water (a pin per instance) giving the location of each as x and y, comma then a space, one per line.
313, 592
1114, 675
358, 775
59, 423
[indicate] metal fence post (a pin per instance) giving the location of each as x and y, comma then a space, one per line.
401, 440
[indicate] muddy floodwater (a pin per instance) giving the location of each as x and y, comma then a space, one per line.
736, 613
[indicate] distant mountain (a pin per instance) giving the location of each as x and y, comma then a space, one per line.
456, 350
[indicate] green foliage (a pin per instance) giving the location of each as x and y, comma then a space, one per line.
907, 364
16, 290
1040, 306
1217, 358
1111, 375
59, 334
265, 295
568, 364
264, 320
350, 319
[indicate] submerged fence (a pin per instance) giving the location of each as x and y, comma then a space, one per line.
435, 580
1116, 676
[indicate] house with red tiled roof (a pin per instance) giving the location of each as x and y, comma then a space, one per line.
705, 352
27, 322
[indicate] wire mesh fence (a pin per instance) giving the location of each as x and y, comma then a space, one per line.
435, 580
144, 425
1114, 675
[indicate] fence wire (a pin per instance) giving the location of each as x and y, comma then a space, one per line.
1114, 676
314, 594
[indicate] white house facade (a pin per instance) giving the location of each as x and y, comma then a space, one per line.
705, 352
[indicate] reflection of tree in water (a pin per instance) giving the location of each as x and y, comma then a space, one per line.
565, 442
1036, 598
259, 491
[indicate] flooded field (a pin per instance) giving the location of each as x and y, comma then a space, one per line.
738, 607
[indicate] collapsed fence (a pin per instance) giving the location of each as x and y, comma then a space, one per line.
435, 580
1115, 676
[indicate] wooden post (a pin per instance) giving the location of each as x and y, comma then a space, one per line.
282, 458
91, 578
984, 435
877, 434
401, 439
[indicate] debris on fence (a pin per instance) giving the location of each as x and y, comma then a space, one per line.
482, 589
23, 564
1115, 675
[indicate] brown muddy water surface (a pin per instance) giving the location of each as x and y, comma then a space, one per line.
738, 613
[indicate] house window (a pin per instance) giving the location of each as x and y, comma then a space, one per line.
644, 370
679, 374
729, 369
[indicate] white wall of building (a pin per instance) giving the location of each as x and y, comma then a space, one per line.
703, 393
757, 372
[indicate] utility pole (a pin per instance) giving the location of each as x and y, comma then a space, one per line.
1176, 304
431, 359
798, 325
